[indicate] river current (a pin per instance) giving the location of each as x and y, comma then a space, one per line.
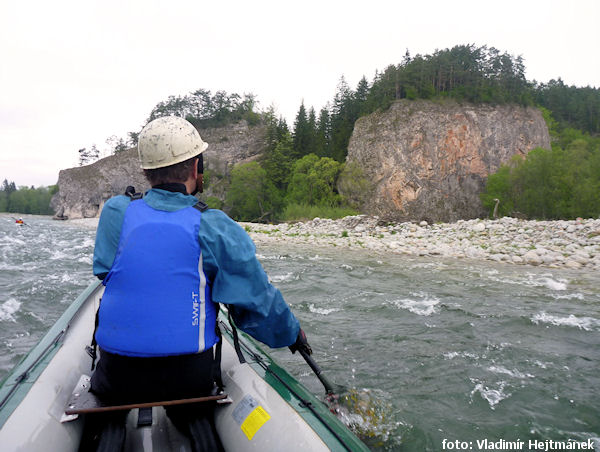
432, 351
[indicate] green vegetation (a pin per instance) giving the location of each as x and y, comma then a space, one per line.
303, 170
251, 196
29, 200
313, 182
204, 109
304, 212
310, 192
558, 183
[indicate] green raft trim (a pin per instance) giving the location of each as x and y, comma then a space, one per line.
16, 385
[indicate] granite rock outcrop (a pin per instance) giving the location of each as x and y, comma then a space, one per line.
83, 190
429, 160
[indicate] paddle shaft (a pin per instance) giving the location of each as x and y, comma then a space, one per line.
318, 372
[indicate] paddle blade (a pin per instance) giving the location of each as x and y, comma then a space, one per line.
366, 412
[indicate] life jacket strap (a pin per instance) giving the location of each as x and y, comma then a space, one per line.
236, 339
217, 361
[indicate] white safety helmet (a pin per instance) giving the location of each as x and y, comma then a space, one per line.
168, 140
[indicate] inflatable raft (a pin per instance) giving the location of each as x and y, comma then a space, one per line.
266, 408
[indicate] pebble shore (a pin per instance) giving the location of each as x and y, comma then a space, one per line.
555, 244
571, 244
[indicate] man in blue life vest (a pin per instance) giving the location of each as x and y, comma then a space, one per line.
166, 261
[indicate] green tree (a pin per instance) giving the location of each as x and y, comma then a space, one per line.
303, 135
278, 162
313, 181
550, 184
251, 196
354, 186
499, 186
323, 133
342, 120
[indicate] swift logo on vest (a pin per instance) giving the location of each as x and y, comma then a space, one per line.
195, 309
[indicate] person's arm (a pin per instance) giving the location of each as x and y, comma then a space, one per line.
108, 234
238, 280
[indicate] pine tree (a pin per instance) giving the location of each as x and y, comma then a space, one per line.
302, 133
322, 148
342, 120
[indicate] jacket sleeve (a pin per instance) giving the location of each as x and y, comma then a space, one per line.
238, 279
108, 234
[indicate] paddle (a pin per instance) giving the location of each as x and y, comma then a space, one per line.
360, 409
333, 392
330, 389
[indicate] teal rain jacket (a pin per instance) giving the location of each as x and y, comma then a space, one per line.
229, 262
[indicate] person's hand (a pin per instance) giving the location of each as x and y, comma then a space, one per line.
301, 344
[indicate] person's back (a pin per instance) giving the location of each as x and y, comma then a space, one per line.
166, 262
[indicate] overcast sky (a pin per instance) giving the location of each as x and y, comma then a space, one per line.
74, 73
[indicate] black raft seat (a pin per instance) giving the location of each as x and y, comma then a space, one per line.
82, 401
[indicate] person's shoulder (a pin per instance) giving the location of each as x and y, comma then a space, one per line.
117, 203
219, 220
216, 215
218, 224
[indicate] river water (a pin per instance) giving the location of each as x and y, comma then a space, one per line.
431, 350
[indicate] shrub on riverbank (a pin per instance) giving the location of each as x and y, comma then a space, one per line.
558, 183
303, 212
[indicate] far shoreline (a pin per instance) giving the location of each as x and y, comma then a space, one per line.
571, 244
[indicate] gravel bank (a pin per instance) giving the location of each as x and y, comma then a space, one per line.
555, 244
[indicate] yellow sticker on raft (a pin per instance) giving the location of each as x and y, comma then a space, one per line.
255, 420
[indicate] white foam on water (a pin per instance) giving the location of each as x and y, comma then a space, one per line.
11, 240
287, 277
69, 278
427, 265
36, 316
570, 296
8, 308
555, 285
531, 280
425, 306
85, 260
312, 308
492, 396
452, 355
583, 323
270, 258
58, 254
346, 267
512, 373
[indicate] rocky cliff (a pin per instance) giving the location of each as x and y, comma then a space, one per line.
82, 191
429, 160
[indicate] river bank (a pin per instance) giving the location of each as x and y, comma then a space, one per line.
555, 244
573, 244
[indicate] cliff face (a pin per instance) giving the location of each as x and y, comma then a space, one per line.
429, 161
82, 191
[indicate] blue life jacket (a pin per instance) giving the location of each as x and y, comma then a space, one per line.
157, 300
